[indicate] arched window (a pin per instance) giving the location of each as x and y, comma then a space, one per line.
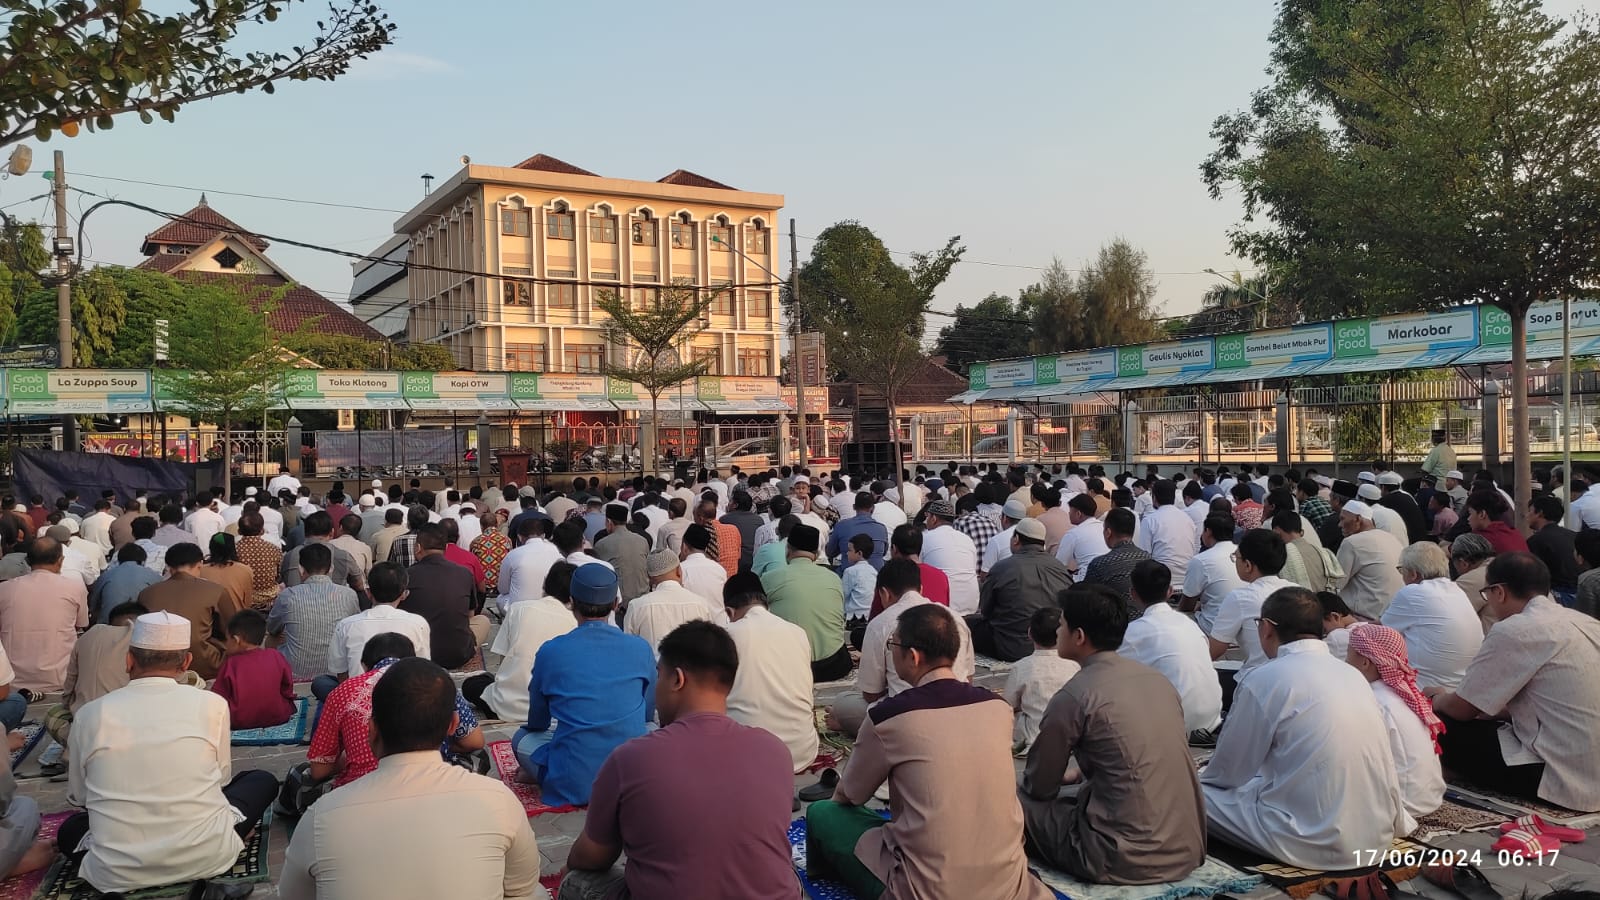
643, 228
559, 224
602, 225
682, 232
721, 235
756, 237
515, 218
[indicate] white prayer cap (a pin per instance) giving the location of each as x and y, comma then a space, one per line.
70, 524
366, 501
1368, 492
1391, 479
1323, 480
377, 483
1367, 477
160, 631
19, 508
250, 491
1456, 474
1358, 509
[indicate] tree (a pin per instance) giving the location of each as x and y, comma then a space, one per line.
84, 62
99, 308
229, 353
656, 330
1109, 302
341, 351
994, 328
1427, 153
1237, 304
22, 257
870, 310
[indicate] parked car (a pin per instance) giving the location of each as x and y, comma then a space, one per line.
1180, 446
999, 447
749, 454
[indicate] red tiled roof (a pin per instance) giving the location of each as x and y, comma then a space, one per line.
541, 163
198, 226
162, 262
933, 384
687, 178
297, 305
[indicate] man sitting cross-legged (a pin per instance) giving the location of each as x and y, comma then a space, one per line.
1379, 653
1170, 642
1539, 667
955, 827
1137, 817
595, 683
417, 826
1303, 772
152, 767
99, 666
701, 806
773, 689
340, 748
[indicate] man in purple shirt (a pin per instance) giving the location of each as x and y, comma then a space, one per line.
738, 847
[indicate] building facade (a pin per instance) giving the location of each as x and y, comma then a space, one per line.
378, 292
504, 264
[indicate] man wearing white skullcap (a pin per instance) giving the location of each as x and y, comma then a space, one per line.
1370, 558
129, 837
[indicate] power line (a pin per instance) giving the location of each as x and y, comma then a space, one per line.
185, 187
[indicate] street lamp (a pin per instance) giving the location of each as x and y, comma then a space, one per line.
1240, 285
794, 344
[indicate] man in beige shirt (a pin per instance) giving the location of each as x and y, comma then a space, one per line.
40, 614
350, 542
440, 830
955, 826
394, 525
99, 665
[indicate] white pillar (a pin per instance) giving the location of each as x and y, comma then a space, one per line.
1014, 434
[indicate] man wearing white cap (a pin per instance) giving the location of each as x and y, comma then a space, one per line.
1370, 558
1384, 517
152, 768
1453, 485
668, 603
1404, 505
999, 546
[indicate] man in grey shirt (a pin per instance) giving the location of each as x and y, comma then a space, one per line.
625, 550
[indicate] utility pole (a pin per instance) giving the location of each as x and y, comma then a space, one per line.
63, 255
794, 349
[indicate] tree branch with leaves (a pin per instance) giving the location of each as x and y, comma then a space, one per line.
654, 334
72, 63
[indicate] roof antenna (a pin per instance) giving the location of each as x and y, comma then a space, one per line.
427, 185
203, 199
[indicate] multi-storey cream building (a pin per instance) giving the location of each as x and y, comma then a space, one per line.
575, 233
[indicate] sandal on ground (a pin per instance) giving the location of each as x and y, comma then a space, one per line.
1525, 844
1535, 823
1464, 880
823, 789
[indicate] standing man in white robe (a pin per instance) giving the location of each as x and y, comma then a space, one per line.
1303, 772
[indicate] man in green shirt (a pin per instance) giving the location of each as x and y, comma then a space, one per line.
811, 596
1442, 458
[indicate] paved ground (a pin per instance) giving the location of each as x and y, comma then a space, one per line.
1578, 865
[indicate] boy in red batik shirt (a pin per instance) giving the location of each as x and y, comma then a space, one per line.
256, 682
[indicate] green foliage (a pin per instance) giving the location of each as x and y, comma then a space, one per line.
1109, 302
88, 61
994, 328
148, 297
222, 339
654, 332
1378, 430
341, 351
99, 308
1422, 153
423, 358
22, 257
869, 309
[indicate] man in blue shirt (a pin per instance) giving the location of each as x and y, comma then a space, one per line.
861, 523
597, 683
121, 583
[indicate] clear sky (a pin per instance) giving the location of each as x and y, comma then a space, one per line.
1032, 129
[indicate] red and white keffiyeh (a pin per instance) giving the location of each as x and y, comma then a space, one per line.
1387, 650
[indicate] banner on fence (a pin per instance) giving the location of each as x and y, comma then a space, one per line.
554, 392
1544, 323
1162, 365
474, 391
1409, 341
1276, 353
77, 391
742, 394
336, 389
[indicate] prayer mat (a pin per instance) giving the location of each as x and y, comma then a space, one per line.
1301, 883
32, 733
63, 883
295, 731
472, 666
505, 762
995, 666
22, 887
1454, 818
832, 742
1511, 807
551, 883
826, 888
1212, 877
848, 681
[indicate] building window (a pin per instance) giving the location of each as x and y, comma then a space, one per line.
683, 235
228, 259
755, 238
646, 276
721, 237
558, 226
598, 275
644, 233
753, 362
758, 304
712, 357
603, 230
516, 293
524, 357
515, 270
723, 304
466, 225
562, 296
646, 298
518, 222
562, 273
585, 357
